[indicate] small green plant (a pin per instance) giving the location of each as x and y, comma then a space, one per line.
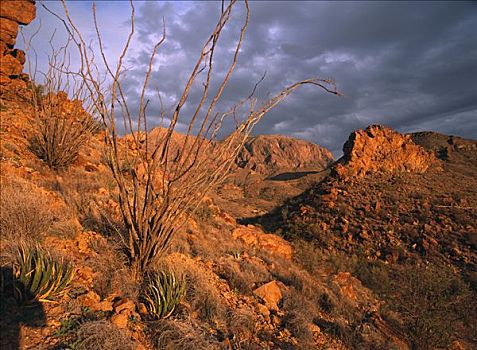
163, 293
39, 276
67, 327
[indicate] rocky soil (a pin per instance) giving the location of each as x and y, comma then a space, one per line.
374, 251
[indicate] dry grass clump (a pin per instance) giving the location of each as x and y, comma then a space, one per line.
103, 335
201, 295
307, 255
210, 242
299, 314
178, 335
242, 327
25, 213
82, 193
114, 276
238, 281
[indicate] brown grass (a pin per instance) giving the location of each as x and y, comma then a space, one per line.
241, 325
201, 295
25, 213
103, 335
114, 276
179, 335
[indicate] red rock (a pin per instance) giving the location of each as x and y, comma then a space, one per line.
8, 31
21, 11
90, 299
270, 293
381, 149
3, 48
255, 237
10, 66
120, 320
125, 304
19, 55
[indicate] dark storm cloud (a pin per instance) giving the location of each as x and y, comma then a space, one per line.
409, 65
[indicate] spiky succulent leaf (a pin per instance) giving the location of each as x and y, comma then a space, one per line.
163, 293
38, 275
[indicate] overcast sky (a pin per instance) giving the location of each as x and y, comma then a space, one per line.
409, 65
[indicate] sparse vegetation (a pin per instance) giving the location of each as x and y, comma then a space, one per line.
432, 302
161, 261
102, 335
168, 178
179, 335
25, 213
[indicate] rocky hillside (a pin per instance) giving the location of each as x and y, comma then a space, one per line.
377, 251
390, 205
268, 154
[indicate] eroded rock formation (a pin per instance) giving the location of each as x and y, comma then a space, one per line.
13, 13
381, 149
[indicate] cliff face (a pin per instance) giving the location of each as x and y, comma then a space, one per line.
381, 149
266, 154
13, 13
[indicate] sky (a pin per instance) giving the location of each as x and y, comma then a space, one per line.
408, 65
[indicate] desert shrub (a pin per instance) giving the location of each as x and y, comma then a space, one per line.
203, 298
163, 291
24, 213
77, 189
203, 212
326, 303
255, 271
102, 335
59, 139
237, 280
178, 335
208, 306
38, 275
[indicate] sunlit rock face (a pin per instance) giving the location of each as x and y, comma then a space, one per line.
381, 149
267, 154
13, 13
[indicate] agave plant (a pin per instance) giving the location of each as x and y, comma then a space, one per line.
39, 276
163, 293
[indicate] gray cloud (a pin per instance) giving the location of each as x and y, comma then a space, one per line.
410, 65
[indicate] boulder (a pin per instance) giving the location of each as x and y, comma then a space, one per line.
8, 31
90, 299
271, 294
21, 11
10, 66
120, 320
124, 305
255, 237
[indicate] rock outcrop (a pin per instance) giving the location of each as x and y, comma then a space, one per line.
13, 13
379, 149
267, 154
255, 237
